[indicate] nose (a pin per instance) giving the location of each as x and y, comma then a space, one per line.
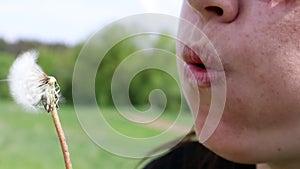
222, 10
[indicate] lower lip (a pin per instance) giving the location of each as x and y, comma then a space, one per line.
201, 77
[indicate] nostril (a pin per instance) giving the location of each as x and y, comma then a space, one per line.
215, 9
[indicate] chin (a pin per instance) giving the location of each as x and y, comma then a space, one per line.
233, 146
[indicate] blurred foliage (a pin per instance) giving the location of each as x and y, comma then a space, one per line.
6, 60
59, 60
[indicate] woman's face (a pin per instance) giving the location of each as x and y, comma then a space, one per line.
258, 42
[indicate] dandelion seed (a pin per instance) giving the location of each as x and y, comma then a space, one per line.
30, 86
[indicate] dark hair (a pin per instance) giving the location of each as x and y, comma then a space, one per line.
190, 154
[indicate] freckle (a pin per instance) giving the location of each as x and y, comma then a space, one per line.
259, 13
262, 95
279, 149
239, 100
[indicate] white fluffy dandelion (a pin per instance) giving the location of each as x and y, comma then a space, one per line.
30, 86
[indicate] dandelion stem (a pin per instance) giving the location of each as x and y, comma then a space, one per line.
62, 138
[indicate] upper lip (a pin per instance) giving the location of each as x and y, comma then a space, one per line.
191, 57
203, 58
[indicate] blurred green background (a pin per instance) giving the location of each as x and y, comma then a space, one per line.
58, 60
28, 140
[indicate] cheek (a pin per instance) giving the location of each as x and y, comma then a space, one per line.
257, 111
263, 84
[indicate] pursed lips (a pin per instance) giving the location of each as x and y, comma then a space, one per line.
202, 71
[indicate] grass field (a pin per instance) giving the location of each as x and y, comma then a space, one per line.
28, 141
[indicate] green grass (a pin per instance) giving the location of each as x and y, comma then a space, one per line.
28, 140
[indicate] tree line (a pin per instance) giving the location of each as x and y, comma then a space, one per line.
59, 60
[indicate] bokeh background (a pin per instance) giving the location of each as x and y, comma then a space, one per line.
58, 30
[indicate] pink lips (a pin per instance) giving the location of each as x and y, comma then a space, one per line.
198, 72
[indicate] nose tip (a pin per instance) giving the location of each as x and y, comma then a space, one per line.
222, 10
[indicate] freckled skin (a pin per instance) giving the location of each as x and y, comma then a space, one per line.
260, 50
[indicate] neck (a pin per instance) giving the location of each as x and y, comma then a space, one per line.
275, 166
262, 166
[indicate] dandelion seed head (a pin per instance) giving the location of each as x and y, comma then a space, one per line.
27, 81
